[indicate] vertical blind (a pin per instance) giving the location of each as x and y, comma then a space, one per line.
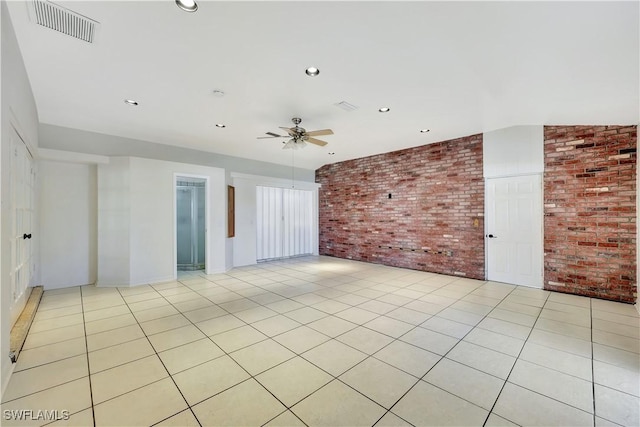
284, 222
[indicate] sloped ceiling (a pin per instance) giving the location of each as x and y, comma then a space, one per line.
456, 68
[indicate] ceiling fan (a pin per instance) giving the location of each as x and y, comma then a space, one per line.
299, 136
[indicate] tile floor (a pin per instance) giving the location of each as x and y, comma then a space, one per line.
324, 341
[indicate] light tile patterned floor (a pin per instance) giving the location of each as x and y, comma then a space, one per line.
324, 341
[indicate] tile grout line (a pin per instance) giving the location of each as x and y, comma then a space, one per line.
333, 298
86, 343
394, 339
163, 365
448, 351
296, 354
56, 385
398, 339
514, 364
516, 287
225, 353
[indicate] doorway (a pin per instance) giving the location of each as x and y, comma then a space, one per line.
190, 223
22, 191
514, 233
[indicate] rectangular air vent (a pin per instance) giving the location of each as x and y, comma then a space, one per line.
345, 106
63, 20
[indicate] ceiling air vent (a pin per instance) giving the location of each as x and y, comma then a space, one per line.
63, 20
346, 106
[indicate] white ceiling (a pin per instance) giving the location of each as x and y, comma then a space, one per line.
457, 68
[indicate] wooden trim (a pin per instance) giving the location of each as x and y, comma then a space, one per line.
231, 211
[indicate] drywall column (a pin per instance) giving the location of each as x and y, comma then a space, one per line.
114, 222
68, 242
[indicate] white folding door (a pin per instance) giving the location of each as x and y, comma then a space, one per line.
284, 222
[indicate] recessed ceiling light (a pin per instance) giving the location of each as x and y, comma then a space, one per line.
220, 125
187, 5
384, 109
331, 153
424, 130
130, 102
312, 71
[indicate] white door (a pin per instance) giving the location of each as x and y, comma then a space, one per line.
22, 179
284, 222
513, 232
269, 223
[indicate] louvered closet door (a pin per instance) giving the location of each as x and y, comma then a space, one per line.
269, 223
296, 214
284, 222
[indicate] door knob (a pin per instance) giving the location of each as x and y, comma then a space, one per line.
26, 236
491, 236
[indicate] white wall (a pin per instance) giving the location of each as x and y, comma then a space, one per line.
17, 108
244, 245
68, 231
137, 203
516, 150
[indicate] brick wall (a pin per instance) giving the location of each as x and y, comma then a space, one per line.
590, 211
433, 220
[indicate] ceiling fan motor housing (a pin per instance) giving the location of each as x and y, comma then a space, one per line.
299, 135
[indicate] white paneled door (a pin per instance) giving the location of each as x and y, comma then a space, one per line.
514, 234
22, 179
284, 222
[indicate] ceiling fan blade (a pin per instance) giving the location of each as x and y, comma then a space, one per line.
289, 130
320, 132
273, 135
316, 141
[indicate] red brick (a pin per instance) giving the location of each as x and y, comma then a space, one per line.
604, 247
437, 194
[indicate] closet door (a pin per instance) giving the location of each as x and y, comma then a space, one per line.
22, 179
284, 222
514, 230
297, 209
269, 223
